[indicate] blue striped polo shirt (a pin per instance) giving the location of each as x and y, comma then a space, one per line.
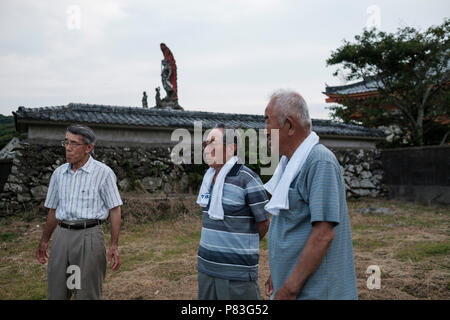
229, 248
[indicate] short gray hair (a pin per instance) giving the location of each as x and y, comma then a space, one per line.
87, 133
290, 103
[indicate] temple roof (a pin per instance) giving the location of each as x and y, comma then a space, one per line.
93, 114
367, 85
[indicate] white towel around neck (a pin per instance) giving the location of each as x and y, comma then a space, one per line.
286, 171
215, 211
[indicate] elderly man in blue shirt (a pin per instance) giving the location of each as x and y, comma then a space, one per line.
310, 244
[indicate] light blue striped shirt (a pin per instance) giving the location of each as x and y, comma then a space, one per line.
88, 193
317, 194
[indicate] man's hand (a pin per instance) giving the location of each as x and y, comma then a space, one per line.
50, 225
41, 252
269, 286
285, 294
113, 254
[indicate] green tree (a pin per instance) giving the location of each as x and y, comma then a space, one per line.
8, 130
410, 70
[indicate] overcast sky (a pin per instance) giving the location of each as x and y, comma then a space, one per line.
231, 54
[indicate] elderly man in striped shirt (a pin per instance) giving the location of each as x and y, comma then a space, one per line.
81, 195
234, 221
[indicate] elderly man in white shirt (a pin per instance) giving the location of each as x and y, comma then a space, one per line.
81, 195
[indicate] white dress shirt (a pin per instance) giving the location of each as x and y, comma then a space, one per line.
88, 193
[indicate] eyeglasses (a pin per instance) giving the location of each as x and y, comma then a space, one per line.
71, 144
210, 143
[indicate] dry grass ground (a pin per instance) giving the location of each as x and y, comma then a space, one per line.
158, 251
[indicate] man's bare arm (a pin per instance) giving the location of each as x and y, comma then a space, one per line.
316, 247
50, 225
115, 219
263, 227
113, 253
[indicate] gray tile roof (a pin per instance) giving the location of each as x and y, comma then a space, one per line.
367, 85
132, 116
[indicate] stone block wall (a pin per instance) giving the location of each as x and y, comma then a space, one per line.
151, 170
363, 172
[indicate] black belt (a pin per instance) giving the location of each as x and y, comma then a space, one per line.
80, 224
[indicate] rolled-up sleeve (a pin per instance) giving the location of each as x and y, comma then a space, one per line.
52, 199
109, 191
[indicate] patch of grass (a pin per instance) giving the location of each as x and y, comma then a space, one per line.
173, 271
263, 244
135, 252
132, 258
366, 227
415, 290
28, 216
6, 221
8, 236
421, 250
417, 220
172, 253
158, 247
367, 244
183, 244
24, 281
187, 239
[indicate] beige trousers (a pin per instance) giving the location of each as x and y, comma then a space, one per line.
84, 252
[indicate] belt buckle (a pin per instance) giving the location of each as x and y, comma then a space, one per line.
66, 225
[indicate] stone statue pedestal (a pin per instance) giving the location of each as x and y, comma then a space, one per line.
167, 102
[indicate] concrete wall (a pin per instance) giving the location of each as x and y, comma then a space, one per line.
348, 143
418, 174
107, 136
129, 136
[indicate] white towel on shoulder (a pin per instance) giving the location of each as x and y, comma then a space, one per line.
215, 211
285, 173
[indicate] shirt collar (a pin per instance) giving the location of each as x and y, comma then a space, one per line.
86, 167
